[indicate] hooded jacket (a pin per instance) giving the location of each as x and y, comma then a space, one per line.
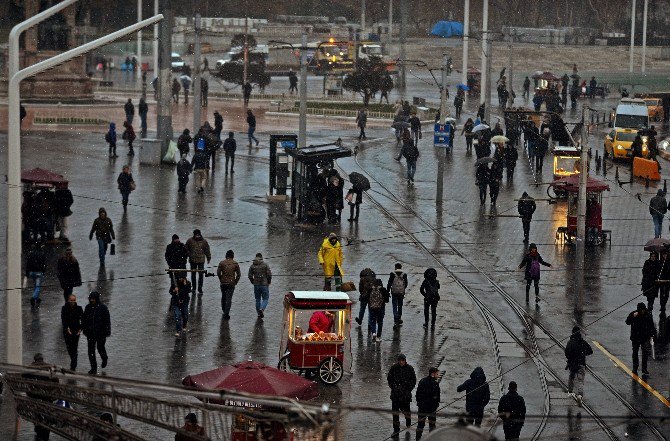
642, 327
329, 256
103, 228
576, 351
176, 255
428, 395
198, 249
478, 392
658, 204
526, 207
367, 281
110, 136
96, 322
259, 272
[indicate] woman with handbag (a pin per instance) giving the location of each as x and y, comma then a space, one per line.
126, 185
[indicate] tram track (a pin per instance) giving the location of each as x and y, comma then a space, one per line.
532, 348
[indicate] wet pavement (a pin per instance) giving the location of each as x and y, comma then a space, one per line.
483, 318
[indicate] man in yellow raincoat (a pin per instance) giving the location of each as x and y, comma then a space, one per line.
330, 259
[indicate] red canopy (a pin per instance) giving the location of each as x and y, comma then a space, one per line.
571, 183
254, 378
546, 75
40, 176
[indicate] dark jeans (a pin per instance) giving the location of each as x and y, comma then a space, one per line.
124, 198
468, 143
230, 158
646, 349
536, 282
143, 122
526, 228
182, 184
512, 430
112, 149
396, 303
201, 276
72, 344
415, 137
482, 193
98, 342
363, 307
361, 135
376, 321
398, 406
354, 208
180, 316
212, 156
250, 135
475, 419
422, 422
429, 307
226, 298
665, 290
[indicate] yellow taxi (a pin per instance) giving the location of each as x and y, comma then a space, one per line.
618, 143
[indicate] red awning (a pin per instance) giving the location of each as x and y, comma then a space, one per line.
254, 378
40, 176
571, 183
546, 75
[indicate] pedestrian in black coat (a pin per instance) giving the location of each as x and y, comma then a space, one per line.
427, 400
126, 185
511, 156
71, 316
365, 284
665, 275
176, 256
532, 261
218, 124
129, 109
401, 379
642, 330
477, 396
183, 142
650, 273
526, 207
96, 326
482, 177
429, 289
184, 169
512, 410
229, 148
576, 352
68, 273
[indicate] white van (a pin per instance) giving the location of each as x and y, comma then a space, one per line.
631, 113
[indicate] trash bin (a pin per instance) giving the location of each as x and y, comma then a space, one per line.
150, 151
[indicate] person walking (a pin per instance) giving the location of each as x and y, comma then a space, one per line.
512, 411
176, 88
526, 207
143, 110
541, 146
642, 330
361, 122
110, 138
532, 261
459, 99
183, 142
510, 157
36, 266
185, 85
251, 122
427, 400
198, 252
411, 154
415, 127
477, 396
354, 198
576, 352
200, 165
176, 255
104, 233
260, 276
651, 271
97, 327
396, 286
365, 284
246, 93
218, 124
129, 135
71, 316
126, 185
401, 380
229, 148
184, 169
292, 82
179, 301
69, 275
229, 275
526, 88
377, 301
330, 258
664, 290
469, 134
129, 109
658, 206
482, 178
429, 289
204, 91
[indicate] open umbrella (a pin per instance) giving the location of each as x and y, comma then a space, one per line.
480, 127
359, 181
463, 87
485, 160
185, 80
658, 244
401, 125
254, 378
499, 138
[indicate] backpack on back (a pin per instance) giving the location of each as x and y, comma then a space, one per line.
398, 285
535, 269
376, 299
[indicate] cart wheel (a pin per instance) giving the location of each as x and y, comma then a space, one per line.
330, 370
283, 363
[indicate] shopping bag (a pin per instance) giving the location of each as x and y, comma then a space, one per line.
172, 154
112, 249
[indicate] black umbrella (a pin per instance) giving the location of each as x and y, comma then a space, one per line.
401, 125
359, 181
485, 160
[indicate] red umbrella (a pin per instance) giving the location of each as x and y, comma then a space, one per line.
40, 176
571, 183
254, 378
546, 75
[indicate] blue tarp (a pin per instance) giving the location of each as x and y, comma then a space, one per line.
447, 29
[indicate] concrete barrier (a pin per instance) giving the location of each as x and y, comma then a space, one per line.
150, 151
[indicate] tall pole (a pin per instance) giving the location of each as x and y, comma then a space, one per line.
439, 190
155, 42
510, 76
632, 38
362, 17
164, 111
139, 41
246, 50
443, 90
644, 36
302, 123
390, 37
403, 39
197, 78
485, 56
466, 41
581, 213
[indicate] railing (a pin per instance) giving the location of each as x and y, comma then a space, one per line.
338, 112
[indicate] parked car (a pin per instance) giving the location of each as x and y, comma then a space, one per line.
619, 141
178, 62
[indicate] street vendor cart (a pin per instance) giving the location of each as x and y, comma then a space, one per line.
315, 337
595, 235
566, 161
46, 205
